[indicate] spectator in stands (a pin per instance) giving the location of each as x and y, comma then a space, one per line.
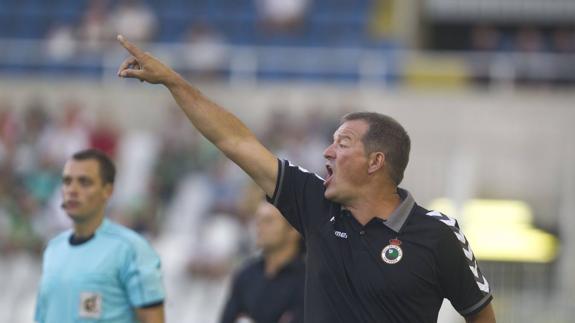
531, 69
33, 127
104, 136
206, 51
485, 40
282, 16
270, 287
563, 43
68, 135
214, 250
133, 17
563, 40
60, 43
8, 134
94, 31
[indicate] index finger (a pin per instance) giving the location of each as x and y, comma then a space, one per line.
133, 49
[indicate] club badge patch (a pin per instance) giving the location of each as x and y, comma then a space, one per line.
90, 305
392, 253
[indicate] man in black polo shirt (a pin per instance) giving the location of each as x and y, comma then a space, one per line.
373, 254
270, 288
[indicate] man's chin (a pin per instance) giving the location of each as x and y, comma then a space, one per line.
76, 217
330, 195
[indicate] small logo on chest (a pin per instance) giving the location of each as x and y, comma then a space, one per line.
392, 253
340, 234
90, 305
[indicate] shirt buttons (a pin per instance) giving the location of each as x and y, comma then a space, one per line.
361, 232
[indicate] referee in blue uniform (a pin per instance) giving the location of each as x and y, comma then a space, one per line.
99, 271
373, 254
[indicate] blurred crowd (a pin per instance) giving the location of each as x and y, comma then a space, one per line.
173, 186
99, 23
170, 181
206, 50
529, 45
526, 38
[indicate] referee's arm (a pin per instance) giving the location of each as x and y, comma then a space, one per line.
486, 315
152, 314
218, 125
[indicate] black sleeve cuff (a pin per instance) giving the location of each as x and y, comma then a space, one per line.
151, 305
476, 308
274, 199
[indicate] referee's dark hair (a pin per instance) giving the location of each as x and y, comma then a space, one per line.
385, 134
107, 168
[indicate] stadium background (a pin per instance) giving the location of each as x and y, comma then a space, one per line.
485, 89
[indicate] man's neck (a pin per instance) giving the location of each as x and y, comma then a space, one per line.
380, 205
87, 228
277, 259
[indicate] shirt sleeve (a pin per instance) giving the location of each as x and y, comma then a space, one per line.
461, 280
299, 195
142, 276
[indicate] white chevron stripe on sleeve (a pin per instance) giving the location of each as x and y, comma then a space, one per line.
468, 254
434, 213
449, 221
460, 237
474, 270
483, 286
482, 283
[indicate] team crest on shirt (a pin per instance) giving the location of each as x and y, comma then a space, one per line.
90, 305
392, 253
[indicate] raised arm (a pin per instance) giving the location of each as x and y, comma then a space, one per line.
153, 314
218, 125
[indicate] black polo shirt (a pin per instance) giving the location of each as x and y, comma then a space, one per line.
267, 299
398, 270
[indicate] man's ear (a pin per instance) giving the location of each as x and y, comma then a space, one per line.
108, 190
376, 162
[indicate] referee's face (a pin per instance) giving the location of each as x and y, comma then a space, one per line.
346, 162
83, 192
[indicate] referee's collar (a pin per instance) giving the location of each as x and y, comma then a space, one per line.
74, 241
397, 218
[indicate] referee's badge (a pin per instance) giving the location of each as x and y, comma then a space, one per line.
90, 305
392, 253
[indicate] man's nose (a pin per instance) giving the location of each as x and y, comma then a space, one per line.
328, 153
70, 189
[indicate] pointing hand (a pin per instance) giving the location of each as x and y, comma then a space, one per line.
143, 66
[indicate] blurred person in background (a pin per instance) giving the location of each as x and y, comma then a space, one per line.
60, 44
373, 254
206, 51
563, 44
98, 270
269, 288
66, 136
135, 18
486, 41
93, 30
282, 16
531, 70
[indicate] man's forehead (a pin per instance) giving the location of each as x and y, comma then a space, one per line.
86, 167
353, 128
